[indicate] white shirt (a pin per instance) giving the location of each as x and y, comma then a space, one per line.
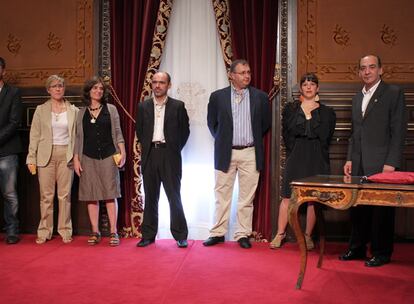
159, 114
60, 131
367, 96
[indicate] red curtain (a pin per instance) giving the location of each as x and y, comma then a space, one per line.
253, 34
132, 30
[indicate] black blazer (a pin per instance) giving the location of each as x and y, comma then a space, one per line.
220, 123
377, 139
322, 123
176, 129
10, 120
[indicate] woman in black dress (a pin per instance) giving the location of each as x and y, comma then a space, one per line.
308, 127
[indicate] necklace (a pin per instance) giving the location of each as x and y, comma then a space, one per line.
95, 109
58, 111
93, 119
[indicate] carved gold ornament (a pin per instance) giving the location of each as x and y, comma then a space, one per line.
341, 36
13, 44
388, 36
54, 43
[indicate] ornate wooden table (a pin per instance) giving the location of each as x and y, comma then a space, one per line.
340, 192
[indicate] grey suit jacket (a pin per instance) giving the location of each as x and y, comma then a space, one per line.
220, 123
41, 140
377, 139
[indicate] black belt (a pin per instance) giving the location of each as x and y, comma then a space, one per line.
242, 147
158, 144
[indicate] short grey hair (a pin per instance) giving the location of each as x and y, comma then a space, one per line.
52, 78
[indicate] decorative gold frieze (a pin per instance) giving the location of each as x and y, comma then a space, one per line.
61, 44
331, 39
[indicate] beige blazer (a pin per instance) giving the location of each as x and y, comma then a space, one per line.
40, 146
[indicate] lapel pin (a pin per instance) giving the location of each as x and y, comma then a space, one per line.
375, 100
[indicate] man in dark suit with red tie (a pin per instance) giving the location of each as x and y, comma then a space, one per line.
379, 123
162, 129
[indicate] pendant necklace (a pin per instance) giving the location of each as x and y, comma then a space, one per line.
93, 119
60, 110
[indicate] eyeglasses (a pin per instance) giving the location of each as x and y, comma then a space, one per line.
244, 73
57, 86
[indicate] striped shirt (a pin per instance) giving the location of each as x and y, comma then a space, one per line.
242, 123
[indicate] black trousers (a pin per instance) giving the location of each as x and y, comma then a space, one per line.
161, 169
373, 224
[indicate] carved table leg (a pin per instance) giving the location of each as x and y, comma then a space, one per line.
321, 227
294, 223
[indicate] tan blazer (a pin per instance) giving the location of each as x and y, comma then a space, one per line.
40, 146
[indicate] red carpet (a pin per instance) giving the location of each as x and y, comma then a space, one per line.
162, 273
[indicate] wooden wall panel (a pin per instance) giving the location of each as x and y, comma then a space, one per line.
39, 38
44, 37
333, 35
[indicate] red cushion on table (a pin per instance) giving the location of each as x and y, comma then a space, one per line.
396, 177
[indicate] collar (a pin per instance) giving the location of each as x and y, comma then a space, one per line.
241, 92
162, 103
372, 89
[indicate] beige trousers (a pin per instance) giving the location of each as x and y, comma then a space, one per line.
55, 173
243, 164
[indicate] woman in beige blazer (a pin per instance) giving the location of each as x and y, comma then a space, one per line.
52, 137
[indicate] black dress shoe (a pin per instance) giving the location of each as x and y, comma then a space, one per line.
145, 242
244, 243
213, 240
377, 260
353, 255
182, 243
12, 239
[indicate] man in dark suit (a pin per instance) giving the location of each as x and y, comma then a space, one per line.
379, 122
162, 128
10, 146
238, 116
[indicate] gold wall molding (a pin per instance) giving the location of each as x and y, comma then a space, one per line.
332, 37
60, 41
